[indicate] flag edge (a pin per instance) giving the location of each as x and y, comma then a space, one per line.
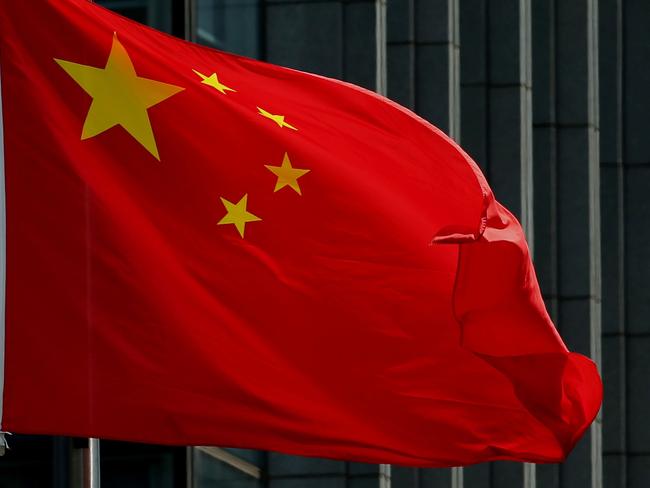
3, 256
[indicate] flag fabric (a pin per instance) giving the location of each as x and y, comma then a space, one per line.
207, 249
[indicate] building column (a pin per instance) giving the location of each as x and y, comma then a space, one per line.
401, 52
610, 47
343, 39
636, 167
437, 64
578, 217
567, 199
423, 75
545, 175
284, 471
496, 130
424, 60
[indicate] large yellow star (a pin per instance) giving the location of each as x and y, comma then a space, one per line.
287, 175
237, 214
278, 119
120, 96
214, 82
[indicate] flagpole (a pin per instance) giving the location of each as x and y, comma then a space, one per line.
92, 479
92, 460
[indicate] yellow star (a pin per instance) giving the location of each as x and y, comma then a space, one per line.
214, 82
237, 214
287, 175
278, 119
120, 96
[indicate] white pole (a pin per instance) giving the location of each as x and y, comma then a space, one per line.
93, 478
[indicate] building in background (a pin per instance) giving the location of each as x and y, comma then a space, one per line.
551, 98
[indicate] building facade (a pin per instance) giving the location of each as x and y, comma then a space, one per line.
551, 98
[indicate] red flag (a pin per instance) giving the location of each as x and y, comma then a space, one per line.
207, 249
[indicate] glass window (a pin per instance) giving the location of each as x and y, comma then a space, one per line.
230, 25
253, 457
131, 465
225, 468
156, 13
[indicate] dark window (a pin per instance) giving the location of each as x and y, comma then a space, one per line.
156, 13
230, 25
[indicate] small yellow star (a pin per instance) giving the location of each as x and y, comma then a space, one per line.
214, 82
278, 119
287, 175
237, 214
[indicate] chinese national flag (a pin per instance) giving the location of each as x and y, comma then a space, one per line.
207, 249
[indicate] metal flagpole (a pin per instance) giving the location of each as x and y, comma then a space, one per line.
92, 480
92, 460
